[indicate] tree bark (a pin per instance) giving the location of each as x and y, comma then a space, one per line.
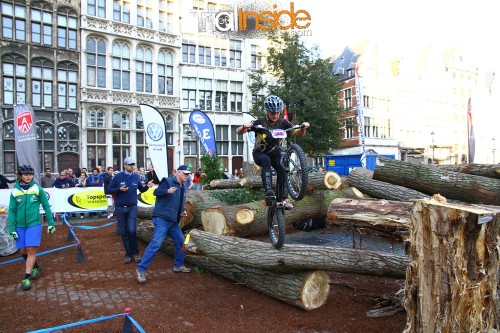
382, 215
298, 257
363, 180
250, 219
217, 184
316, 181
453, 185
307, 290
485, 170
451, 283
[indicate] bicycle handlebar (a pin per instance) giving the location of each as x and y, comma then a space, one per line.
260, 127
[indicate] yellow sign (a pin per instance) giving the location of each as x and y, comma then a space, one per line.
88, 199
331, 162
148, 197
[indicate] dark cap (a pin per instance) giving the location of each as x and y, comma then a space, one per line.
184, 168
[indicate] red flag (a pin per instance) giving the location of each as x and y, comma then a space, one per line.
285, 112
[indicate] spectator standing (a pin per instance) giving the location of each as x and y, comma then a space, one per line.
142, 175
109, 197
25, 224
236, 174
4, 182
168, 211
95, 179
240, 173
47, 179
125, 185
81, 182
152, 175
63, 181
197, 179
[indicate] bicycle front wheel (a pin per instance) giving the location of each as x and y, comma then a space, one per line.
297, 171
276, 226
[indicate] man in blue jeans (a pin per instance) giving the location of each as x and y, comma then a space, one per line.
168, 210
125, 185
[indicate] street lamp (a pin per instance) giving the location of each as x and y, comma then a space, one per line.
432, 136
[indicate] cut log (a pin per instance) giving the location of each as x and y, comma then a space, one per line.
451, 283
485, 170
453, 185
362, 179
306, 290
316, 181
384, 215
217, 184
298, 257
250, 219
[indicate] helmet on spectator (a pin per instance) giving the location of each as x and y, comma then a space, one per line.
273, 104
25, 169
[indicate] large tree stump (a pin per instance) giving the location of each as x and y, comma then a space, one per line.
298, 257
250, 219
362, 179
430, 180
451, 283
384, 215
307, 290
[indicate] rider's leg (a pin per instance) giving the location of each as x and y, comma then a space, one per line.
264, 161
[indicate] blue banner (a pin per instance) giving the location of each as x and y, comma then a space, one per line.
204, 129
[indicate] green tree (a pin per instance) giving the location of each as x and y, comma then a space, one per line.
305, 83
211, 168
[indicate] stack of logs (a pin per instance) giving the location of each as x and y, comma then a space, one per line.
397, 198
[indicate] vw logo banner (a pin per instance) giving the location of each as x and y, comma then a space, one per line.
156, 139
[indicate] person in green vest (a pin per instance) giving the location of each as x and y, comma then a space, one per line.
25, 222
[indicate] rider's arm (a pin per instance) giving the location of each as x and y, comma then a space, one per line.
301, 132
244, 128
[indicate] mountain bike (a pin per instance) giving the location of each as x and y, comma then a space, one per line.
294, 163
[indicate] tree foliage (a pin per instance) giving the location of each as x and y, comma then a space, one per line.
211, 168
305, 83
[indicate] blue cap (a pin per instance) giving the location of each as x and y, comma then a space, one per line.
184, 168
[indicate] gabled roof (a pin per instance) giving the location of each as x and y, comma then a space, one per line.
344, 62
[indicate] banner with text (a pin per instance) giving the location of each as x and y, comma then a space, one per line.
25, 138
204, 129
156, 139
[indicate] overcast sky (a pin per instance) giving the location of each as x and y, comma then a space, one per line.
474, 25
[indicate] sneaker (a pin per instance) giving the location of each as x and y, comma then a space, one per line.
270, 197
182, 269
26, 284
127, 260
141, 276
35, 273
137, 258
287, 205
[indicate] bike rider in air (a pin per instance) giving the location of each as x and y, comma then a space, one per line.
265, 152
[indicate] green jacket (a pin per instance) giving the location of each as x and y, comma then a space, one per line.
24, 207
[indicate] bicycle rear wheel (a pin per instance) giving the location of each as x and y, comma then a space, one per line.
276, 226
297, 172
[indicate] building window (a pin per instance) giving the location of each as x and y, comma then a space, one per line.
42, 78
204, 51
236, 96
221, 95
144, 69
121, 137
13, 21
67, 86
198, 4
165, 16
96, 62
205, 90
46, 145
121, 11
66, 29
165, 73
96, 8
375, 128
235, 53
144, 14
366, 102
349, 125
170, 129
189, 140
188, 92
140, 141
236, 142
347, 99
67, 138
121, 66
188, 49
41, 25
254, 57
222, 139
220, 52
367, 128
96, 137
9, 148
14, 80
